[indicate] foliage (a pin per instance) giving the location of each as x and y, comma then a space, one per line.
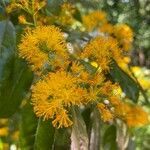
66, 77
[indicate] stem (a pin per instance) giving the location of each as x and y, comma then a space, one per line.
34, 20
122, 135
32, 3
95, 131
33, 13
79, 136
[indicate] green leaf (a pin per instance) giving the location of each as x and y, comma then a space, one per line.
91, 69
79, 136
44, 135
13, 87
86, 114
28, 126
62, 139
109, 138
7, 45
15, 77
128, 85
77, 15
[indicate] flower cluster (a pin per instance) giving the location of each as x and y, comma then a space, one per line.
102, 50
65, 16
124, 35
30, 7
44, 47
121, 32
98, 20
131, 114
94, 19
65, 80
54, 94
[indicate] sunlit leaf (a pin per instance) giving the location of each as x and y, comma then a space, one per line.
128, 85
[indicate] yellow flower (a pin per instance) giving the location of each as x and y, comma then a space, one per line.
84, 76
94, 19
53, 95
106, 114
22, 19
4, 131
121, 109
43, 46
108, 88
101, 50
116, 52
93, 93
68, 7
96, 79
107, 28
66, 14
77, 68
136, 116
29, 6
124, 35
62, 119
133, 115
115, 101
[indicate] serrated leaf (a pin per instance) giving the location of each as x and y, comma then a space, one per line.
109, 138
79, 136
44, 135
28, 126
128, 85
